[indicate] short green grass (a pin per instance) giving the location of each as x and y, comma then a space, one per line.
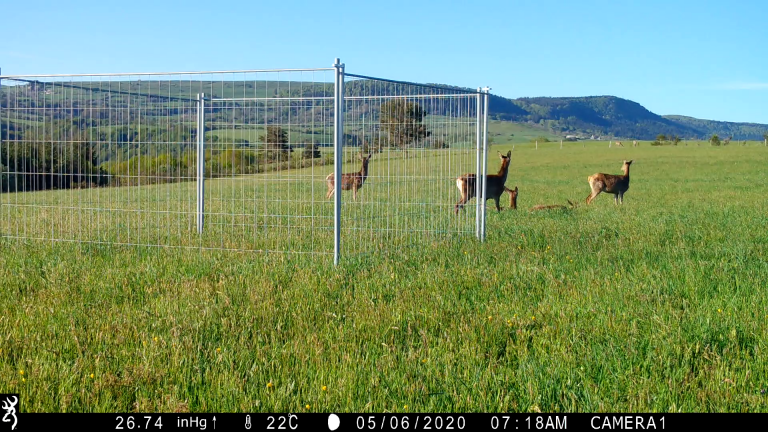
656, 305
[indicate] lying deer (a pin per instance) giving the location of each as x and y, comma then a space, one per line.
494, 184
610, 183
553, 207
512, 197
349, 181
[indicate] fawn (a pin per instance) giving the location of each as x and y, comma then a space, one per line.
495, 184
610, 183
554, 207
349, 181
512, 197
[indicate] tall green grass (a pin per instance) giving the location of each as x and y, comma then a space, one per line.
656, 305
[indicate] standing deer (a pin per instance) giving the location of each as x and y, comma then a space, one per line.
349, 181
495, 184
610, 183
512, 197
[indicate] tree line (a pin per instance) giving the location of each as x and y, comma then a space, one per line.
73, 154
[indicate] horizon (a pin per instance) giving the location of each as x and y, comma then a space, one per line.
673, 59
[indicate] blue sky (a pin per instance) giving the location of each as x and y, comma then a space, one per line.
704, 59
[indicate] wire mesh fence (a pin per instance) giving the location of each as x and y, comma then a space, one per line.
420, 139
235, 160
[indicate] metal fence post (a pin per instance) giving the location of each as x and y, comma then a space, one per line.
200, 161
478, 181
485, 159
338, 143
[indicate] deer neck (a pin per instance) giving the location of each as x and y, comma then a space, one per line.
503, 171
364, 171
626, 172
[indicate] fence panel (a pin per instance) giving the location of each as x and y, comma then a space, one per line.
234, 160
420, 138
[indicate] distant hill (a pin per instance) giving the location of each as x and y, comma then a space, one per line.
723, 128
614, 117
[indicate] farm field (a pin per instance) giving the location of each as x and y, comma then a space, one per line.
656, 305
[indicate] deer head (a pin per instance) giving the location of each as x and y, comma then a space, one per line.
625, 166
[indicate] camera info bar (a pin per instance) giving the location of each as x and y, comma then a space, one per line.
383, 422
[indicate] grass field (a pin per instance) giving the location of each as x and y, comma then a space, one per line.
656, 305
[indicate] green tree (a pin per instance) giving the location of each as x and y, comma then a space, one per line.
311, 151
276, 143
676, 140
401, 121
715, 140
661, 138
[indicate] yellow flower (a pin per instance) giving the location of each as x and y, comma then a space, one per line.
23, 380
91, 376
718, 311
325, 388
218, 350
490, 318
405, 407
424, 361
533, 317
270, 385
307, 406
155, 338
21, 372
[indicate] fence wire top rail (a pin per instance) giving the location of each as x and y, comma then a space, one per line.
11, 77
432, 86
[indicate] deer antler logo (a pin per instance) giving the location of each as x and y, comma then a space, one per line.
10, 408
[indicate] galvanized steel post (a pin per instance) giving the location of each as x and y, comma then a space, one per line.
485, 160
478, 185
200, 161
338, 143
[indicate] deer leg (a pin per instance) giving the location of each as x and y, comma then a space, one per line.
593, 195
460, 204
354, 193
330, 192
621, 197
616, 199
498, 208
597, 187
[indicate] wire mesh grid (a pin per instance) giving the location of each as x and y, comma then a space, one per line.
112, 159
419, 139
234, 160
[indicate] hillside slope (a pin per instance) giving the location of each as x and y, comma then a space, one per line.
613, 116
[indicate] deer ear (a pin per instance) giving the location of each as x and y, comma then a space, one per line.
515, 188
509, 154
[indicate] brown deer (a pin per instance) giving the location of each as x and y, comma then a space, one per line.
610, 183
349, 181
512, 197
571, 206
494, 184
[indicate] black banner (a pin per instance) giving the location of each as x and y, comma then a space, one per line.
384, 422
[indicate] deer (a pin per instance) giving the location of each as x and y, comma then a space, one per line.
610, 183
571, 206
619, 144
494, 184
353, 181
512, 197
